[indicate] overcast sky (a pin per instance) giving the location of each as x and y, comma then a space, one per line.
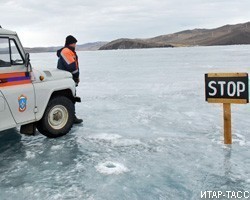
48, 22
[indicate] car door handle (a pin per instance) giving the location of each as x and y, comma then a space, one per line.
3, 81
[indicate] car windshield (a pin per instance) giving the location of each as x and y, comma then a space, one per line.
16, 58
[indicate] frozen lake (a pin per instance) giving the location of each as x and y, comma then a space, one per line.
148, 133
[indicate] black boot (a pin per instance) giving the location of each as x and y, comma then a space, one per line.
77, 121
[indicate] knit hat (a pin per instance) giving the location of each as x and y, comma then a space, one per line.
70, 40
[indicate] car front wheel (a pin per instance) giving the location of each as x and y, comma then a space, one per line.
58, 117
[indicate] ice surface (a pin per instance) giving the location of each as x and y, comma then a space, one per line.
148, 133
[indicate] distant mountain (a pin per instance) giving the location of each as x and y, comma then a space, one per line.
225, 35
82, 47
90, 46
132, 44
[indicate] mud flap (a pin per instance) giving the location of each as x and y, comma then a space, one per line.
28, 129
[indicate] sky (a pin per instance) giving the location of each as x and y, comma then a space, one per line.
48, 22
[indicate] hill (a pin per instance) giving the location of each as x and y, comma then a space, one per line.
82, 47
132, 44
225, 35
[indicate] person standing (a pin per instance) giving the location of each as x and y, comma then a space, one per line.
68, 61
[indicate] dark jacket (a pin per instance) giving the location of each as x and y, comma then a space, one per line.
68, 61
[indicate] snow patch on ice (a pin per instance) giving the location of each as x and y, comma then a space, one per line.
207, 66
190, 114
110, 167
115, 140
58, 196
56, 147
160, 139
105, 137
80, 167
126, 142
90, 198
30, 155
240, 139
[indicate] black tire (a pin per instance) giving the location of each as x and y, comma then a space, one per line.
59, 109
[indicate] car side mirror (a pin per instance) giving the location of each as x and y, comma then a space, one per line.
27, 60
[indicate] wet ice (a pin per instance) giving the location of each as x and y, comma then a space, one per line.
147, 133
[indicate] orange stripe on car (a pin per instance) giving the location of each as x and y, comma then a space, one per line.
15, 83
10, 75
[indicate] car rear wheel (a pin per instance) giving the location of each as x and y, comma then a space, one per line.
58, 117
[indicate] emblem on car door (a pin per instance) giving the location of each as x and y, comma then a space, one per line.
22, 101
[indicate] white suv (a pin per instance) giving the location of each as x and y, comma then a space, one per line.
31, 98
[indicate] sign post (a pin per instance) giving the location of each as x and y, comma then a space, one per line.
227, 123
227, 88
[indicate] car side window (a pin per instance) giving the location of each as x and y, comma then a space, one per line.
4, 52
16, 58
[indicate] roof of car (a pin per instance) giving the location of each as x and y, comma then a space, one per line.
6, 32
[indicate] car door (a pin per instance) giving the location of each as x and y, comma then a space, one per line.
15, 81
6, 118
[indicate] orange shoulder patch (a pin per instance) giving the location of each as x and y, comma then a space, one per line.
68, 56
